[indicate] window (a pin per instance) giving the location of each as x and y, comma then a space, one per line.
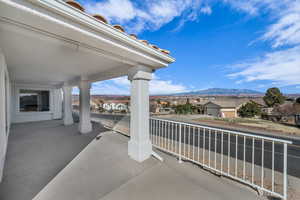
34, 100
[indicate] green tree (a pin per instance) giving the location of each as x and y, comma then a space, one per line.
298, 100
273, 97
250, 109
184, 109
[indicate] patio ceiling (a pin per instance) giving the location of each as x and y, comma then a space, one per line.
47, 46
35, 58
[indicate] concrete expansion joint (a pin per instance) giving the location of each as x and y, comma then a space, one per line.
131, 180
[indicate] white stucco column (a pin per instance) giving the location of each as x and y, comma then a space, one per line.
57, 105
68, 118
85, 124
139, 146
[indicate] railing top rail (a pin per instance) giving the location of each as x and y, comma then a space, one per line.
224, 130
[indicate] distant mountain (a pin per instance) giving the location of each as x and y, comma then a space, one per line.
224, 91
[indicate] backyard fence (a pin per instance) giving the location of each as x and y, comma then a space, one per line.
258, 161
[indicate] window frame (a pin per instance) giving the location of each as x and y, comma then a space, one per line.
33, 112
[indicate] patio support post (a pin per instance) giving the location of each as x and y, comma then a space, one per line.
85, 124
68, 118
57, 98
139, 146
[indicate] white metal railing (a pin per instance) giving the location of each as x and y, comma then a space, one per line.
247, 158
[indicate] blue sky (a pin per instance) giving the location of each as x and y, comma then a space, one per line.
252, 44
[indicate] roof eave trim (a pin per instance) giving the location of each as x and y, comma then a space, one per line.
83, 18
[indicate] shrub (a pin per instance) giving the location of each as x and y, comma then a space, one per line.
184, 109
250, 109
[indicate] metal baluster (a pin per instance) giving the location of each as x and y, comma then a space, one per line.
184, 135
156, 135
180, 161
236, 153
253, 145
222, 137
169, 129
194, 143
170, 136
198, 144
165, 135
160, 134
189, 142
150, 130
209, 141
285, 171
262, 161
173, 136
215, 149
273, 150
176, 137
244, 166
228, 160
203, 152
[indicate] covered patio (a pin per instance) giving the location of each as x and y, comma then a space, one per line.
37, 152
47, 47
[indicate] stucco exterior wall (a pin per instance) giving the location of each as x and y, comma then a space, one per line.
229, 112
4, 110
212, 109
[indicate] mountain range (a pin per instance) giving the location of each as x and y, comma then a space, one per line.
224, 91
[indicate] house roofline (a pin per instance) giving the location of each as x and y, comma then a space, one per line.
61, 8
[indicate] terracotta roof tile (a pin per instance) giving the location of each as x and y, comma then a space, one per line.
75, 4
99, 17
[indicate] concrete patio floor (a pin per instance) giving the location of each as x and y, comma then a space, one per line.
36, 153
103, 170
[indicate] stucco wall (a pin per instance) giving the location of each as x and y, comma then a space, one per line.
229, 114
212, 109
4, 111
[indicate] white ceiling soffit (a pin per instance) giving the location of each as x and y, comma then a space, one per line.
65, 22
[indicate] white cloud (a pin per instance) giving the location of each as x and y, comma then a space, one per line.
158, 86
286, 30
122, 86
206, 10
246, 6
150, 15
281, 67
255, 7
118, 10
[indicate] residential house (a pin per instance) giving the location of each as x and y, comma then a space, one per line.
116, 105
222, 108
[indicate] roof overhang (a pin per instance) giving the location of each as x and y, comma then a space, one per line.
74, 42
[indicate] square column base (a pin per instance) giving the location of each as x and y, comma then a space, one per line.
68, 121
85, 128
139, 151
